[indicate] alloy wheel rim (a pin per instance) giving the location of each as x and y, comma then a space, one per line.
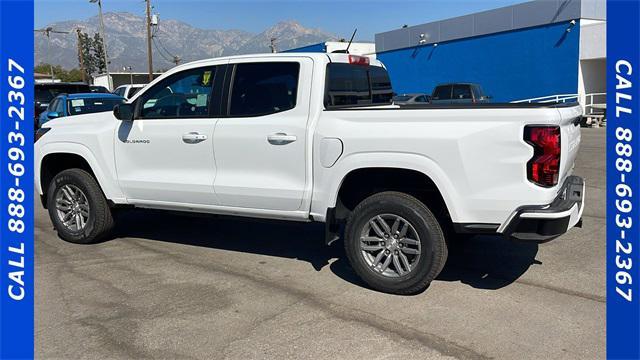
390, 245
72, 207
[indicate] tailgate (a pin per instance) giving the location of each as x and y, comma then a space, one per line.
569, 138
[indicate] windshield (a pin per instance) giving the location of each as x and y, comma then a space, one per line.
88, 106
401, 98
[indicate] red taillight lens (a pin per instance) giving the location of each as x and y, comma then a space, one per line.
358, 60
544, 167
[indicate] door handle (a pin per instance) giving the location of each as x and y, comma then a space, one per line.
281, 139
193, 137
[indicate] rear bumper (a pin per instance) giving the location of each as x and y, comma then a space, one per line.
540, 223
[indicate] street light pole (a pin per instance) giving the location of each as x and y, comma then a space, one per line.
104, 42
130, 73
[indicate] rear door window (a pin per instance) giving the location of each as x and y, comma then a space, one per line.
442, 93
264, 88
461, 92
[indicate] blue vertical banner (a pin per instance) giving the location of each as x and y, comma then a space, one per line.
623, 182
16, 180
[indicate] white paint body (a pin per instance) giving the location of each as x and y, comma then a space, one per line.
476, 156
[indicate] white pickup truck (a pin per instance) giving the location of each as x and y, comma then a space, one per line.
315, 137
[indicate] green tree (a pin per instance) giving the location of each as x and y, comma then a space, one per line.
73, 75
86, 51
98, 53
92, 52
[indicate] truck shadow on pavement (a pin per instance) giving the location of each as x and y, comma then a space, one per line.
483, 262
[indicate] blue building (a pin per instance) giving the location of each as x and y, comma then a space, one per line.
538, 49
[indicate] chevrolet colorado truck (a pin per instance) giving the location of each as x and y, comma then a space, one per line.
315, 137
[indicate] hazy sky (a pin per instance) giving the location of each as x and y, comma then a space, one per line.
337, 17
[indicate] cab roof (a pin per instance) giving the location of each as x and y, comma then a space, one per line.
321, 57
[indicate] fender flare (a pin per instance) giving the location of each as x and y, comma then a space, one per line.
397, 160
107, 183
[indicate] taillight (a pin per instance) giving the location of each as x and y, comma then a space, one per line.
358, 60
544, 167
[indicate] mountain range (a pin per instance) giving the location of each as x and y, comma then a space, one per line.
126, 41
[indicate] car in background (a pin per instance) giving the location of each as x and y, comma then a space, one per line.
408, 99
99, 89
458, 93
128, 90
44, 93
77, 104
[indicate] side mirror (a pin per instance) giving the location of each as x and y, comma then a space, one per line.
52, 115
123, 112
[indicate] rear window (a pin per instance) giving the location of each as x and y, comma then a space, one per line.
357, 85
89, 106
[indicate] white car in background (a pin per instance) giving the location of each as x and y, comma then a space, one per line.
315, 137
127, 91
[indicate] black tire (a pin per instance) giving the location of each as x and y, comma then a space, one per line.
433, 254
100, 221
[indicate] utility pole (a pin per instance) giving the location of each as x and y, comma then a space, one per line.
149, 55
104, 42
47, 32
81, 58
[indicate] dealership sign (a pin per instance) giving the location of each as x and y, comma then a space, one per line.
16, 179
623, 190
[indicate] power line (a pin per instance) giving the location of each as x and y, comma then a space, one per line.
158, 44
47, 32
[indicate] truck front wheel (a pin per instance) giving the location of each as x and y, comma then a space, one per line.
394, 243
77, 207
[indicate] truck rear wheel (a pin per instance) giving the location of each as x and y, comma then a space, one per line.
394, 243
77, 207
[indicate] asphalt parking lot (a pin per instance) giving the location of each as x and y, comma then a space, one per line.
177, 286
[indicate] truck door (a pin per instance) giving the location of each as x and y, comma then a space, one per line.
166, 153
260, 145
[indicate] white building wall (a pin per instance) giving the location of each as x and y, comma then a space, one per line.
592, 68
355, 48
